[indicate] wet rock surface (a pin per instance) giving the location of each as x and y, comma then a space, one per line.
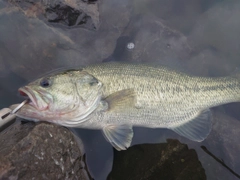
32, 46
40, 151
70, 13
222, 137
156, 42
220, 161
171, 160
218, 28
177, 14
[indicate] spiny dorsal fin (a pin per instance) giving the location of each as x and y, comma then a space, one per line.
121, 100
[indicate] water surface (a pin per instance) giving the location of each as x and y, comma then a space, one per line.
200, 37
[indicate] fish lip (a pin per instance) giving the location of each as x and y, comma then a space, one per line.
31, 95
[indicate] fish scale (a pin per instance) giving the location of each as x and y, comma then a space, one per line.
175, 87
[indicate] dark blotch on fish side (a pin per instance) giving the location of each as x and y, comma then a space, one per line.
171, 160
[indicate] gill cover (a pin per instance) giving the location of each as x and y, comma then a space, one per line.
73, 95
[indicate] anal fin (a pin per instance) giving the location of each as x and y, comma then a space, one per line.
198, 128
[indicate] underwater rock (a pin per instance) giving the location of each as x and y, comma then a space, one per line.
70, 13
218, 28
223, 141
74, 13
153, 42
30, 46
40, 151
171, 160
209, 63
177, 14
233, 109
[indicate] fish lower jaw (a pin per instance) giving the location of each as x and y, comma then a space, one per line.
33, 101
39, 108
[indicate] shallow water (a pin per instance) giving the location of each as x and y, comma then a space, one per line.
200, 37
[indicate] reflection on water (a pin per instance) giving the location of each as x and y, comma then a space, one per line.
200, 36
8, 86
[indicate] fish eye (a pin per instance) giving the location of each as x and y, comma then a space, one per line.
45, 83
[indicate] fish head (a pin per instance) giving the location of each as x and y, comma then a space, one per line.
67, 96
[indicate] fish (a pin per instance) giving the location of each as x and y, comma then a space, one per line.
113, 97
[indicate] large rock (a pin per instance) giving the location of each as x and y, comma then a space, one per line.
153, 42
223, 141
31, 45
177, 14
70, 13
41, 151
171, 160
218, 29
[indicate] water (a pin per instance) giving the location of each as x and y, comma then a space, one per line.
199, 36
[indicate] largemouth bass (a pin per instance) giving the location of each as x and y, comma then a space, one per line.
114, 97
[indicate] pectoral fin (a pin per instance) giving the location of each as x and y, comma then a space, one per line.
121, 100
198, 128
119, 136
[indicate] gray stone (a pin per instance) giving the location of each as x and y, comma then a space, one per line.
72, 13
30, 47
222, 143
153, 42
177, 14
224, 139
41, 151
171, 160
208, 62
218, 28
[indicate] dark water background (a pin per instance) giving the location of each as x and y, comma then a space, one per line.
200, 37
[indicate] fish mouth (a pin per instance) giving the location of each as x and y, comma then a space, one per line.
35, 98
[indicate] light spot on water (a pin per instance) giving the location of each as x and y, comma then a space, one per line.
130, 46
